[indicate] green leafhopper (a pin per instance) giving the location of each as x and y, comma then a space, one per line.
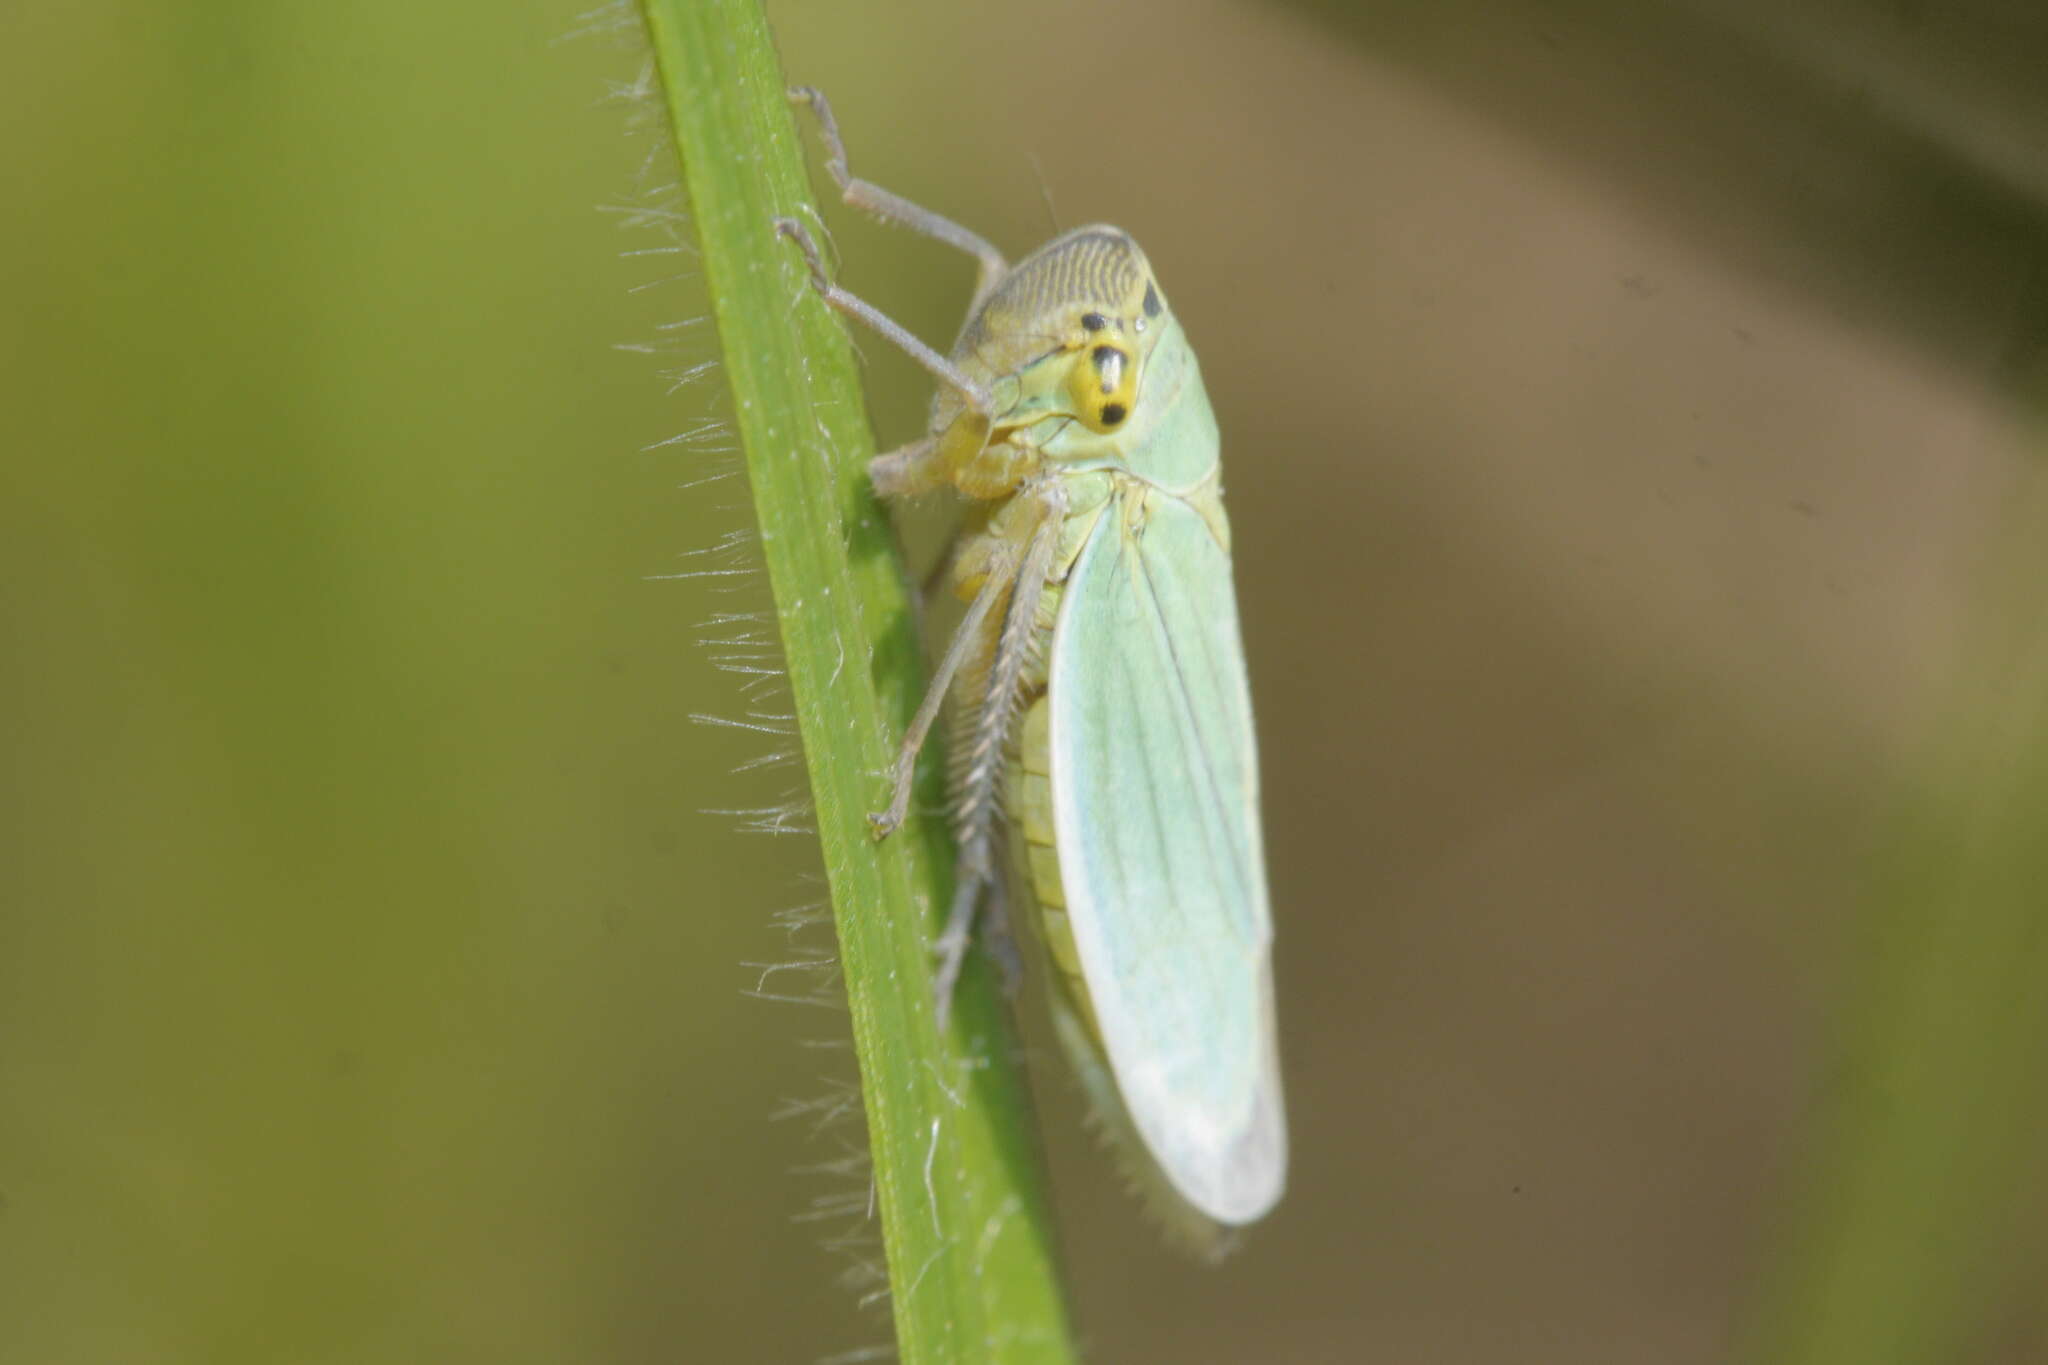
1100, 695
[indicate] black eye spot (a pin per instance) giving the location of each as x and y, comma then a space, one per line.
1113, 413
1152, 304
1093, 322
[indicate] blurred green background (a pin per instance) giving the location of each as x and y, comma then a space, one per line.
1627, 409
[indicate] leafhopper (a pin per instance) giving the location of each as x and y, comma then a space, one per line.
1105, 776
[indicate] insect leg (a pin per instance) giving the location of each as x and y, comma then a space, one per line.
1002, 574
894, 208
908, 470
982, 763
865, 313
998, 939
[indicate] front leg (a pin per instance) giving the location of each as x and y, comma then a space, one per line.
894, 208
865, 313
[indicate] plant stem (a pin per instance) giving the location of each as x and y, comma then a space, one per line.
956, 1174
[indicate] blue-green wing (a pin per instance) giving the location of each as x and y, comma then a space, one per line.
1155, 809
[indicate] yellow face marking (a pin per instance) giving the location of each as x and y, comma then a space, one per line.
1104, 388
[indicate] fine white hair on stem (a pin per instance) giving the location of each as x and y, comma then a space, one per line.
859, 1355
791, 817
799, 918
710, 434
749, 727
814, 981
853, 1165
840, 1103
758, 722
615, 19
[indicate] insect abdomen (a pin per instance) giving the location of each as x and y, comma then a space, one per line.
1038, 855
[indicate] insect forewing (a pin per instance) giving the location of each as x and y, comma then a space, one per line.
1155, 805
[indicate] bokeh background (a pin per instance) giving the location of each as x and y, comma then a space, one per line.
1630, 413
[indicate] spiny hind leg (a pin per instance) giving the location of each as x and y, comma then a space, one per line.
998, 934
981, 908
971, 877
982, 764
894, 208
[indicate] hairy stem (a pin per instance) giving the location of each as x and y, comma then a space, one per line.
957, 1185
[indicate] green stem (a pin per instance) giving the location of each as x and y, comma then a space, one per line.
956, 1178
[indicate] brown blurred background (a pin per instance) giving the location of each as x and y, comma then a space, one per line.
1623, 408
